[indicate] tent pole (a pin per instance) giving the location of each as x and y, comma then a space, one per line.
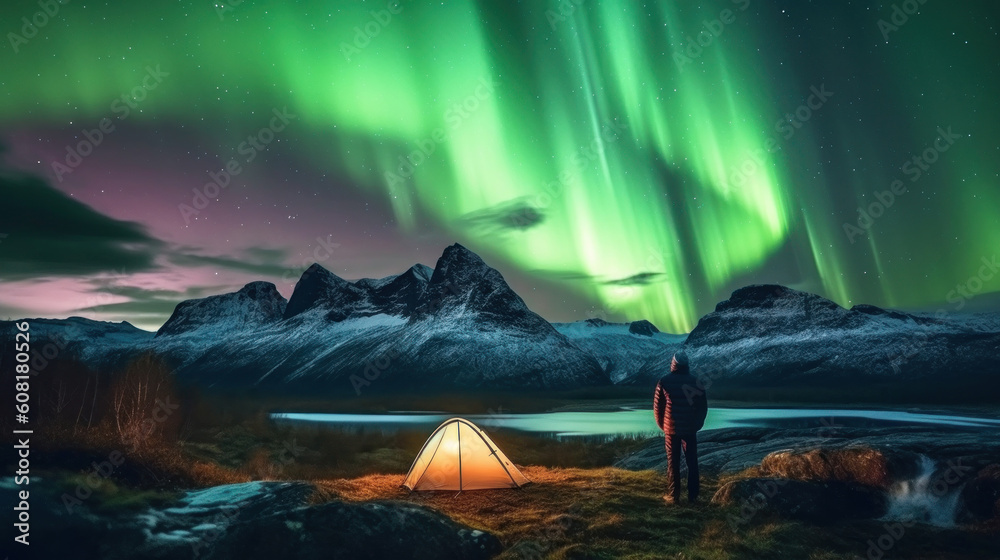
459, 426
478, 432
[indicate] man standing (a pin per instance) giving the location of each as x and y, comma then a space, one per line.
680, 407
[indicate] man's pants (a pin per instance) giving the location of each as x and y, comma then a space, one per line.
675, 443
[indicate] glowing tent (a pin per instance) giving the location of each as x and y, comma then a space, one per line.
460, 456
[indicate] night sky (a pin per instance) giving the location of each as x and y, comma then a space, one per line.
623, 159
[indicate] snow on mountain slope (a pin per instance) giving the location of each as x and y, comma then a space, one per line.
258, 303
628, 358
99, 344
459, 326
773, 334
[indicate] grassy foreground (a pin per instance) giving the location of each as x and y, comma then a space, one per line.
613, 513
578, 507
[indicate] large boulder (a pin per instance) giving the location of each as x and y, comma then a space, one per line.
245, 521
732, 450
351, 531
858, 465
980, 498
817, 502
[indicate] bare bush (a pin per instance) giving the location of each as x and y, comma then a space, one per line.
142, 403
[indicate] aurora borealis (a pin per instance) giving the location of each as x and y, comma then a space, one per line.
628, 159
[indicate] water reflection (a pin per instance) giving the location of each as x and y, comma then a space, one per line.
634, 422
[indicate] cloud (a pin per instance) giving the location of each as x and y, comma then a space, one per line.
158, 308
515, 215
564, 275
46, 235
266, 255
148, 308
11, 312
640, 279
50, 234
258, 261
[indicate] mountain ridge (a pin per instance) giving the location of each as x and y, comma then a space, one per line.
460, 326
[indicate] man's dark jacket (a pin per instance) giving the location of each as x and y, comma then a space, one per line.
679, 404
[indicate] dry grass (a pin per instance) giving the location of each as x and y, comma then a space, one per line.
864, 466
612, 513
578, 506
565, 512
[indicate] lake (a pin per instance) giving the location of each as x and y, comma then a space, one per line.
633, 422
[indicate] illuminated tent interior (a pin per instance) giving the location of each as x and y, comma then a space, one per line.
460, 456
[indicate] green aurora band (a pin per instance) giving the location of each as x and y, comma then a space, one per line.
576, 146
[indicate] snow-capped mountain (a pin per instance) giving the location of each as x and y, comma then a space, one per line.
773, 334
459, 326
254, 306
634, 353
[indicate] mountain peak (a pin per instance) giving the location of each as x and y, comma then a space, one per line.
768, 310
255, 304
421, 271
773, 295
642, 327
464, 285
260, 290
319, 287
458, 260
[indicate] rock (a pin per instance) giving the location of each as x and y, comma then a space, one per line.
904, 471
732, 450
355, 530
643, 328
817, 502
859, 465
253, 520
980, 498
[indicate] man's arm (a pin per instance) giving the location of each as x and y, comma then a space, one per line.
659, 404
701, 404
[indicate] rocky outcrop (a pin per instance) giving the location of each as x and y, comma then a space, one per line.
938, 476
816, 502
980, 498
342, 530
643, 327
253, 520
827, 450
852, 465
320, 289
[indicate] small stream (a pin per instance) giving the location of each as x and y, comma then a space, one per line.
929, 497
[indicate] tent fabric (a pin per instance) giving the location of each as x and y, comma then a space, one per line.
460, 456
